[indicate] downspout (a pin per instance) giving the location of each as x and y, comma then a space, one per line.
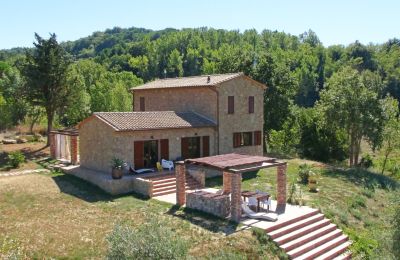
216, 91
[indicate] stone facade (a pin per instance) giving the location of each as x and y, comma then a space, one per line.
74, 150
217, 205
240, 121
198, 99
227, 182
99, 143
198, 173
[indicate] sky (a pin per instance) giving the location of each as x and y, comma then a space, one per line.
335, 22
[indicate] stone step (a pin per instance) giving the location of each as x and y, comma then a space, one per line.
295, 226
290, 221
323, 249
156, 194
302, 231
308, 237
314, 243
165, 183
345, 256
336, 252
166, 179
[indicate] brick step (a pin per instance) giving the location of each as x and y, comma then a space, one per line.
160, 176
291, 221
324, 249
314, 243
163, 184
156, 194
166, 179
337, 251
173, 187
308, 237
302, 231
344, 256
295, 226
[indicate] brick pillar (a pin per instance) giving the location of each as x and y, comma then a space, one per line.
281, 184
236, 197
74, 150
180, 173
227, 179
53, 147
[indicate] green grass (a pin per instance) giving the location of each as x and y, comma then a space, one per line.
60, 216
358, 201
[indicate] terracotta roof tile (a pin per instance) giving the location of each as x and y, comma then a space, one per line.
195, 81
135, 121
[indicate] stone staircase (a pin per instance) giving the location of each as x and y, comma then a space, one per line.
164, 185
310, 236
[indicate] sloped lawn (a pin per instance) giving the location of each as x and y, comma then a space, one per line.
361, 203
60, 216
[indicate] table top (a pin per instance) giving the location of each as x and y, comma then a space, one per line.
258, 196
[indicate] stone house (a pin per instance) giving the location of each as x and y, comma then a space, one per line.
178, 118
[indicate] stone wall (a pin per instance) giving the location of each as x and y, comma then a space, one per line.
143, 187
99, 143
198, 99
240, 121
217, 205
198, 173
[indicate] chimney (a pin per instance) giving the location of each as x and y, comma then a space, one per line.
208, 79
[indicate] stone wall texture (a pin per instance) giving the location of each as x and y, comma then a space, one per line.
99, 143
217, 206
240, 120
236, 197
281, 184
180, 174
198, 99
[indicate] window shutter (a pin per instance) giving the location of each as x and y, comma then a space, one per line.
142, 104
231, 104
251, 104
139, 156
164, 150
236, 140
206, 146
257, 138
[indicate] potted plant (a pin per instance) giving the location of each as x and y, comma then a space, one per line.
116, 165
312, 182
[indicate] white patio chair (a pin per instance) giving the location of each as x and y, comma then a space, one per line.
258, 215
167, 164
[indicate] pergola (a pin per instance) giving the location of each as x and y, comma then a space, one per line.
64, 144
232, 166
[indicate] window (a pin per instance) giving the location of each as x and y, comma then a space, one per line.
231, 104
251, 104
142, 104
242, 139
257, 138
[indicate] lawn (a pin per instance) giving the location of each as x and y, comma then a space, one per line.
360, 202
60, 216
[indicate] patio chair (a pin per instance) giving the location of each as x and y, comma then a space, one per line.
167, 164
253, 202
265, 202
259, 215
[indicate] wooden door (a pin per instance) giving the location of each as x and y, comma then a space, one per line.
185, 148
206, 146
164, 149
139, 156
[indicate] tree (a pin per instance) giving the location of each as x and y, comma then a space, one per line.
391, 133
45, 72
350, 101
174, 66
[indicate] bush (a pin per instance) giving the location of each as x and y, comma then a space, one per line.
15, 159
305, 172
152, 240
366, 161
295, 195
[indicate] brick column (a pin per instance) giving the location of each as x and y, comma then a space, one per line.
281, 184
74, 150
180, 173
53, 147
227, 179
236, 197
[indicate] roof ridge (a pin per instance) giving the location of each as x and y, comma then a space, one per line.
197, 76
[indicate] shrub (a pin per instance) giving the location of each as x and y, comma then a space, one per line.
366, 161
16, 158
152, 240
295, 195
305, 172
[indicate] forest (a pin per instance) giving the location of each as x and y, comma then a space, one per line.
322, 103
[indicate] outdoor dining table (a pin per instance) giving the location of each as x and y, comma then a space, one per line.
258, 196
